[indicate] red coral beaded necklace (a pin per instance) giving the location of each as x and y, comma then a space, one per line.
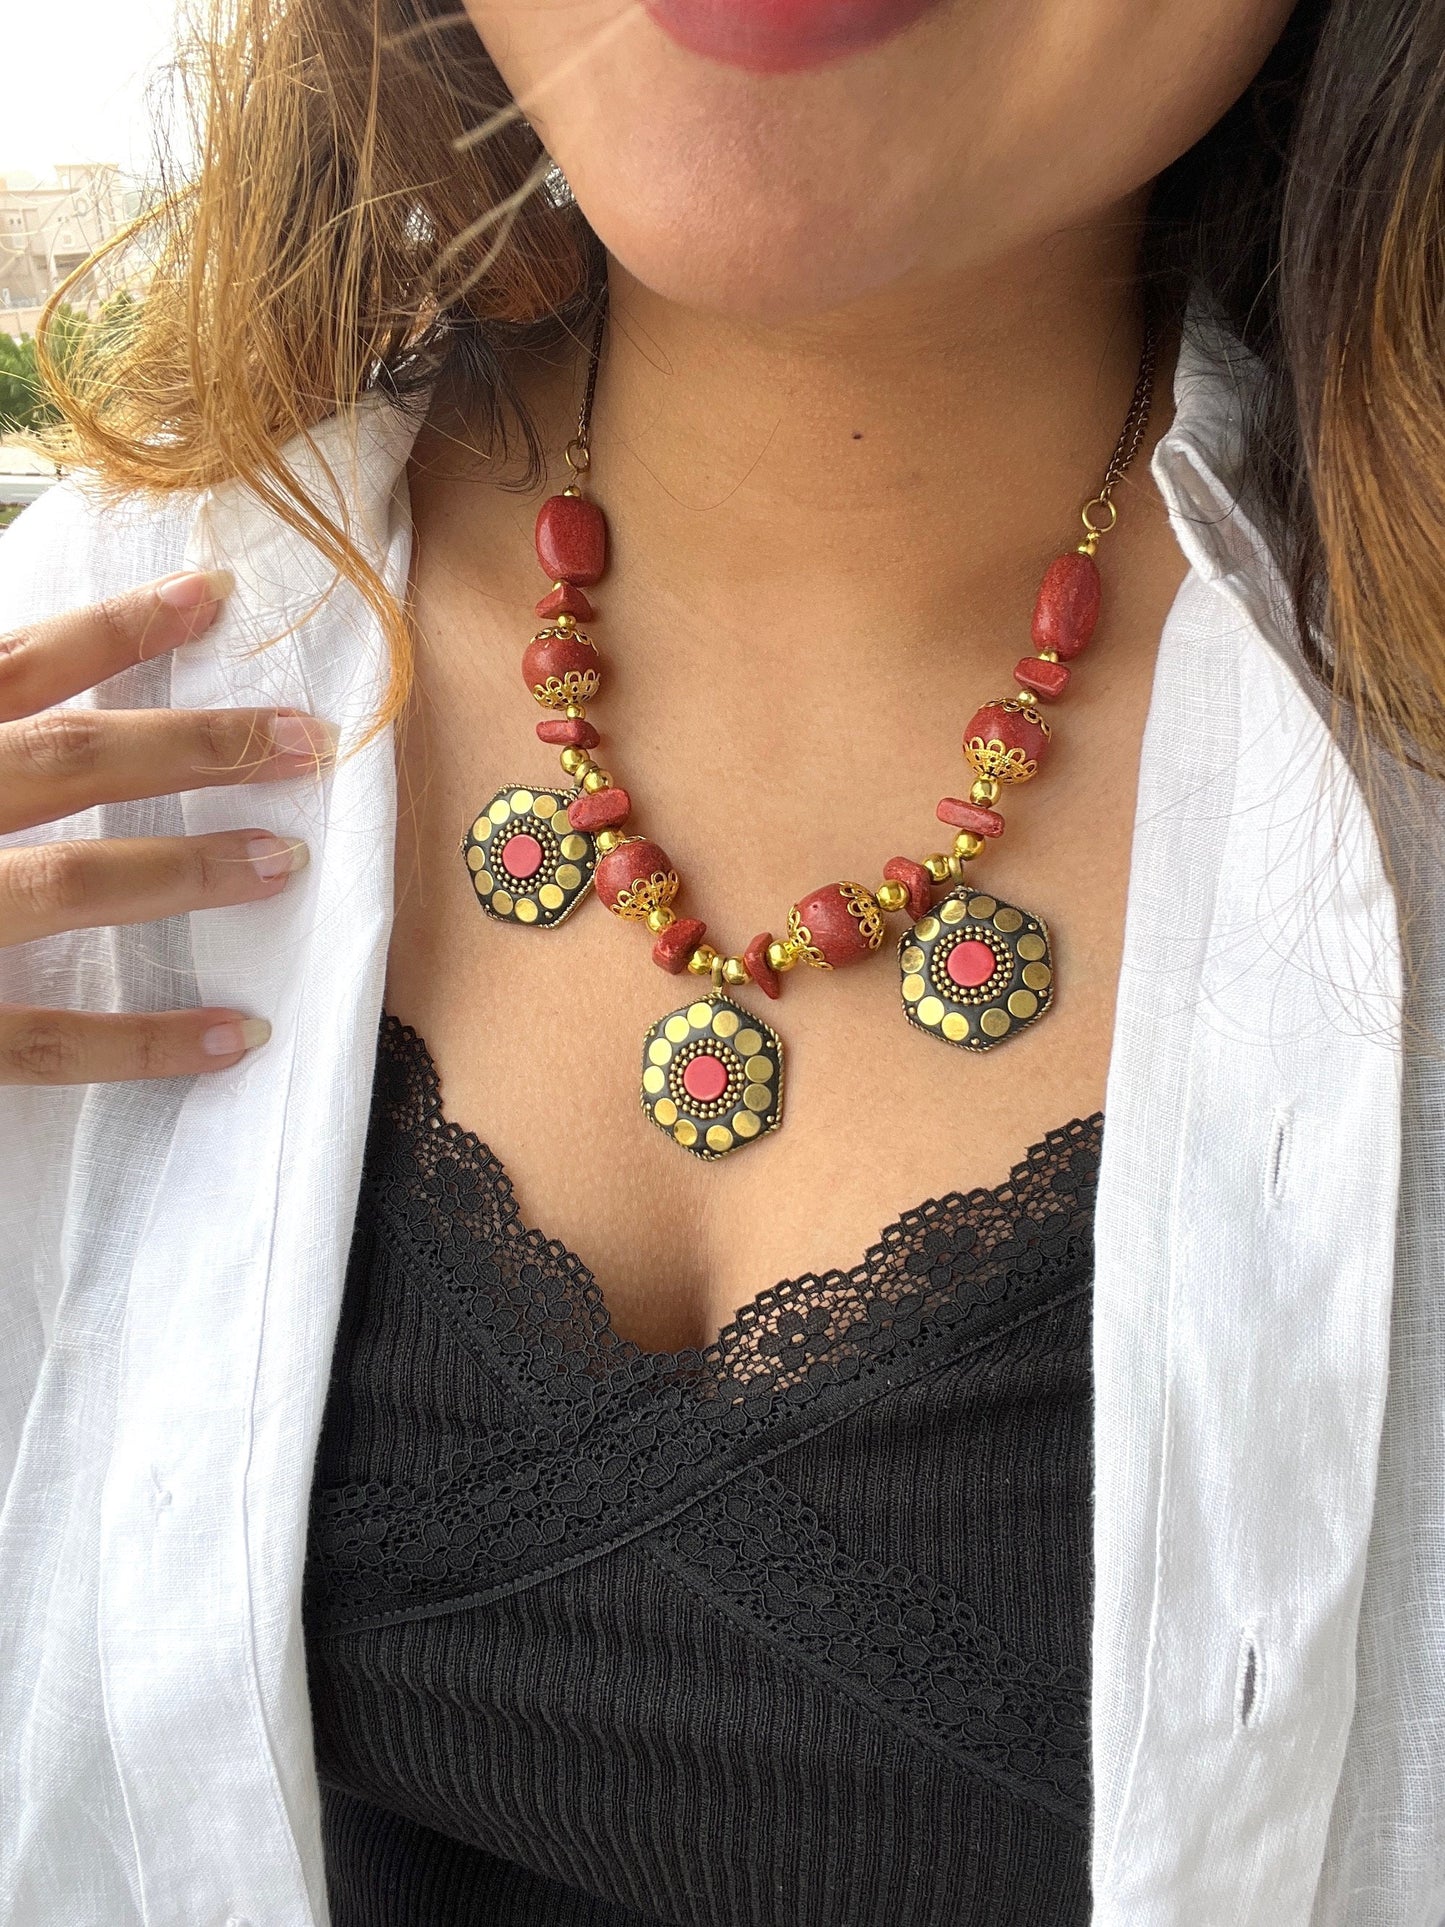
975, 970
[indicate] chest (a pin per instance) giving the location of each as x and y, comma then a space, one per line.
765, 770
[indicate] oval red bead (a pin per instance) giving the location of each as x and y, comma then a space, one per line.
677, 943
759, 969
599, 809
969, 816
565, 601
1046, 679
550, 660
1068, 605
571, 540
628, 864
705, 1078
971, 964
1014, 728
843, 922
915, 880
569, 732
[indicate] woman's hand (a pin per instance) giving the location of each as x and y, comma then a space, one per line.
55, 761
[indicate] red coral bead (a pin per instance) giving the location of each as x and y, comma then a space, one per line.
571, 540
561, 668
599, 810
915, 880
1046, 679
565, 601
843, 922
970, 816
759, 969
1068, 605
677, 943
1022, 738
568, 732
622, 869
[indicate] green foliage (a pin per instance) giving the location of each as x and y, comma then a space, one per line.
21, 403
71, 337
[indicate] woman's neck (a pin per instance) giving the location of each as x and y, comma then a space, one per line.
870, 472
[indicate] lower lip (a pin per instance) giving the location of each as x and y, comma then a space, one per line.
782, 36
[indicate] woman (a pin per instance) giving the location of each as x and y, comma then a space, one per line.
1076, 1554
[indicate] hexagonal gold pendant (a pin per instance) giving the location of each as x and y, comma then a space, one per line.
712, 1077
527, 864
976, 971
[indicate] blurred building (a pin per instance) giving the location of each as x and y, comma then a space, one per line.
48, 228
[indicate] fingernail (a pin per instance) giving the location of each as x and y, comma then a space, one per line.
225, 1040
194, 587
273, 856
303, 740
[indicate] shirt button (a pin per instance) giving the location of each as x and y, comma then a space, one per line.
239, 1920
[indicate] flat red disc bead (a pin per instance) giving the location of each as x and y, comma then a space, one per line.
844, 923
970, 964
915, 880
1046, 679
677, 943
571, 540
569, 732
705, 1078
970, 816
566, 601
627, 865
599, 810
759, 969
1068, 605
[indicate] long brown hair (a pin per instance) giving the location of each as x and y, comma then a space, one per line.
368, 206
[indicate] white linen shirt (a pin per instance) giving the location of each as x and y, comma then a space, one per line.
1268, 1711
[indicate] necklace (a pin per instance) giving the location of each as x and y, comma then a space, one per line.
975, 970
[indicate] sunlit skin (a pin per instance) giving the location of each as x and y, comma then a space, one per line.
874, 331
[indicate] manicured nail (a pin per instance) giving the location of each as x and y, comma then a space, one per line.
274, 856
194, 588
303, 740
225, 1040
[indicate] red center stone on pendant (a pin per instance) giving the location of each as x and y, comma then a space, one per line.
705, 1078
971, 964
521, 856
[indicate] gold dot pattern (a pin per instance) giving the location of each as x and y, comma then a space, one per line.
562, 879
1019, 992
746, 1109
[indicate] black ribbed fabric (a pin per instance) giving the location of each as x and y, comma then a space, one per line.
792, 1632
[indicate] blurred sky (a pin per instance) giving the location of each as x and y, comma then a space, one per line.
77, 73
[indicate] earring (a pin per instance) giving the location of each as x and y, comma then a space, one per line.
557, 187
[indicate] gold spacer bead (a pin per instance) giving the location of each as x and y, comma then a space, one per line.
571, 489
955, 868
966, 846
891, 896
985, 790
735, 971
1027, 697
596, 779
781, 956
575, 712
701, 962
1048, 655
564, 623
576, 761
938, 867
609, 840
659, 919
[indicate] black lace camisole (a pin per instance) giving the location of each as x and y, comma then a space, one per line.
789, 1632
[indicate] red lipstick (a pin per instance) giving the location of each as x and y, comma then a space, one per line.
782, 36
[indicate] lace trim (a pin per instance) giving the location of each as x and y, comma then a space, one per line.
612, 1440
903, 1644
